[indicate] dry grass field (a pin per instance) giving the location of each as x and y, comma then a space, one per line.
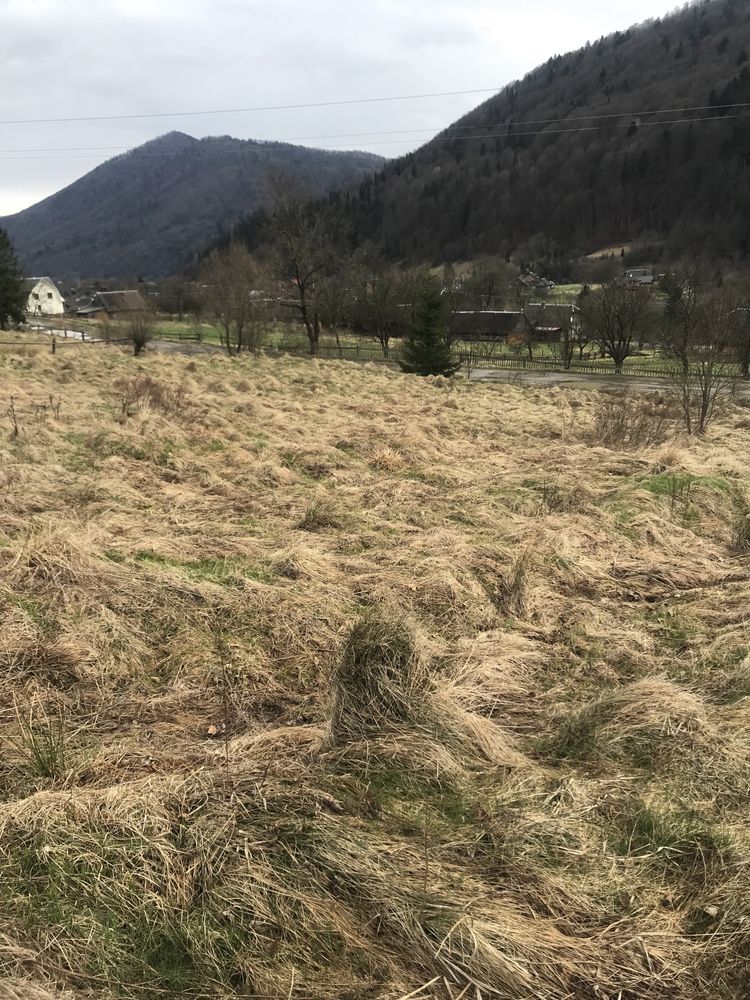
320, 681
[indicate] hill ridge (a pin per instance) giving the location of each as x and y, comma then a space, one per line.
147, 211
541, 193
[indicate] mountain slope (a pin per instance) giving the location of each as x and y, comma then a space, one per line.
509, 175
146, 212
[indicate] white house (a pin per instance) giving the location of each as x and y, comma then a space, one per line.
44, 298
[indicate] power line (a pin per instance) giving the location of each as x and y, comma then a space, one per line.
371, 100
407, 131
216, 147
238, 111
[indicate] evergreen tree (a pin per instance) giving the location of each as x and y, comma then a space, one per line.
427, 349
12, 287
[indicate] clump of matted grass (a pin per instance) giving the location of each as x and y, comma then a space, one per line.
643, 722
382, 681
26, 989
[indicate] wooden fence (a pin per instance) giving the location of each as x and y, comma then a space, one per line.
367, 351
554, 365
192, 336
346, 352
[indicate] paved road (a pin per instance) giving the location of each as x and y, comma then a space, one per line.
613, 383
576, 380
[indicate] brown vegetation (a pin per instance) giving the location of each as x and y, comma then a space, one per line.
322, 681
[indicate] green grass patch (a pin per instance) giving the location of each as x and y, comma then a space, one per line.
228, 571
414, 800
680, 485
38, 615
675, 842
672, 628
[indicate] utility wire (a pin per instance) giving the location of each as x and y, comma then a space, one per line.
444, 136
375, 100
404, 131
238, 111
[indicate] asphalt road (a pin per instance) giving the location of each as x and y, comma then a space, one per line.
612, 383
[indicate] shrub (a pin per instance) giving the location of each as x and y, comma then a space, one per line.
140, 331
624, 421
142, 390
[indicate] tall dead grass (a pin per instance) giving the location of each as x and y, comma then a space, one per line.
312, 685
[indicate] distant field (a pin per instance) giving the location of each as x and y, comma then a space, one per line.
322, 681
567, 293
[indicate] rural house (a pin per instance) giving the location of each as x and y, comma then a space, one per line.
529, 280
639, 276
44, 298
114, 305
547, 321
484, 324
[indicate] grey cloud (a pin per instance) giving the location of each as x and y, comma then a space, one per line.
73, 57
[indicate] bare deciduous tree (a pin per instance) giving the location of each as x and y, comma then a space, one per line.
617, 316
568, 319
710, 374
139, 329
682, 327
178, 297
303, 251
233, 295
379, 303
739, 332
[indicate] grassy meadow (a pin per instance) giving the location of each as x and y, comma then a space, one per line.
323, 682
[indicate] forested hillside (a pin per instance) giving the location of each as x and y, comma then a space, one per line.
573, 158
147, 212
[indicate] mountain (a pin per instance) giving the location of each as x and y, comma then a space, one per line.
148, 211
570, 159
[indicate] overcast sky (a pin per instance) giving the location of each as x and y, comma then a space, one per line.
67, 58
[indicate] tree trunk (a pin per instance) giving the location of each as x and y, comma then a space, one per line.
316, 333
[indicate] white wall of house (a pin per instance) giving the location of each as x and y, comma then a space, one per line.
45, 298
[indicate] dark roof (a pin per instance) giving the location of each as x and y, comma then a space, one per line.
118, 302
549, 315
89, 310
484, 323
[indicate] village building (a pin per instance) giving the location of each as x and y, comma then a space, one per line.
484, 324
530, 281
639, 276
548, 321
114, 305
45, 298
